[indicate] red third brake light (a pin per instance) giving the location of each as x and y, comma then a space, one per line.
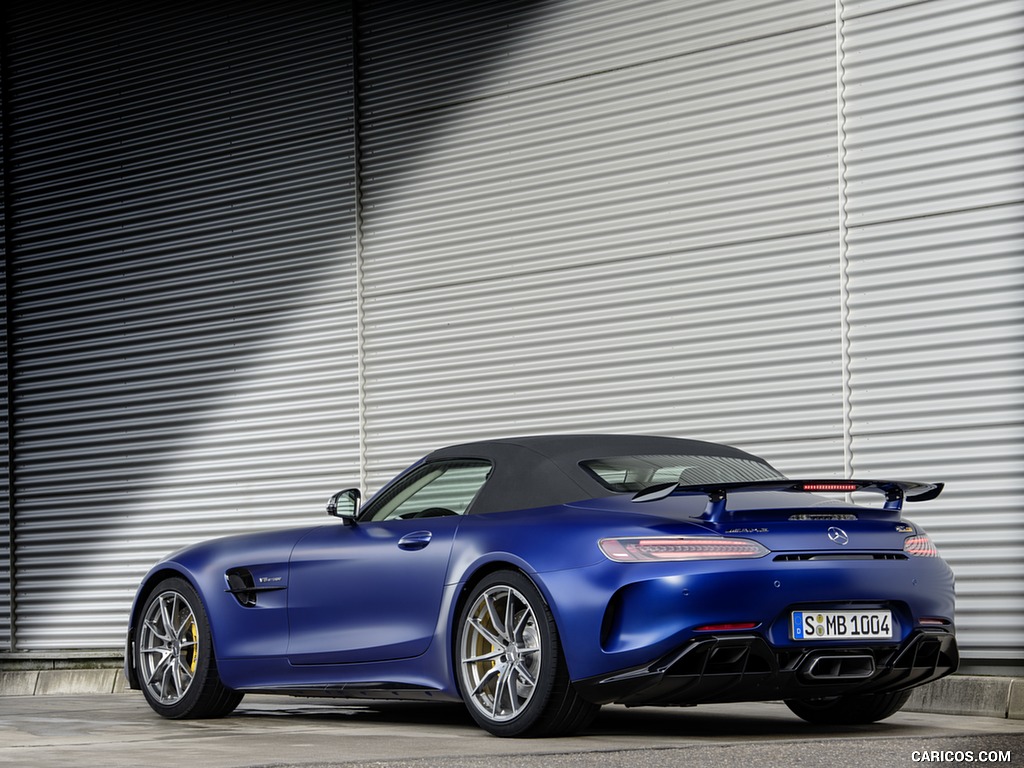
841, 487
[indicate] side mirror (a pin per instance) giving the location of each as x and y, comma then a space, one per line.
345, 504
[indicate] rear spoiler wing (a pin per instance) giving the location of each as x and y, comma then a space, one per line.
895, 492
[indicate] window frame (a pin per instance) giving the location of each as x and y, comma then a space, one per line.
414, 475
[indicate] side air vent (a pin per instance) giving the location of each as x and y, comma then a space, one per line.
844, 556
242, 586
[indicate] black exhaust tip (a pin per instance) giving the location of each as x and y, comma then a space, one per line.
826, 667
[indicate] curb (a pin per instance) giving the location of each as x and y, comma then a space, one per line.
971, 695
62, 682
53, 673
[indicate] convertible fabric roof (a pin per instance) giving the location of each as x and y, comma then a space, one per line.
544, 470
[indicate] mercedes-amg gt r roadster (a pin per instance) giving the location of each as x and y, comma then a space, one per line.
537, 578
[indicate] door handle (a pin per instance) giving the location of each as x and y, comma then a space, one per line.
415, 540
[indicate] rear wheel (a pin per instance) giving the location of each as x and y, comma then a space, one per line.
511, 670
849, 710
175, 660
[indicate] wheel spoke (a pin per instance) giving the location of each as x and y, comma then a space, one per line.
165, 683
484, 657
524, 619
157, 631
176, 676
492, 611
525, 674
159, 667
186, 621
486, 634
515, 704
165, 615
492, 672
499, 686
179, 670
508, 615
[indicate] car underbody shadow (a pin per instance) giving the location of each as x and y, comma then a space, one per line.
713, 721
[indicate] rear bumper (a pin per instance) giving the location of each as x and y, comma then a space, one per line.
747, 668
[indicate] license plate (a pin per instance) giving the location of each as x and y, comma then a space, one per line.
842, 625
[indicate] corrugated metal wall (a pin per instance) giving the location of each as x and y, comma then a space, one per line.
184, 329
5, 494
629, 224
5, 431
733, 221
934, 138
633, 224
6, 516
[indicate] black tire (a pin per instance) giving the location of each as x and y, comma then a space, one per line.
849, 710
514, 680
174, 656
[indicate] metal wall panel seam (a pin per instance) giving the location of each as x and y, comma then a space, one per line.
844, 260
357, 195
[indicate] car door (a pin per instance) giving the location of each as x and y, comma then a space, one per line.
372, 591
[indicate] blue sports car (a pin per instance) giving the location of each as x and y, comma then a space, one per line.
537, 578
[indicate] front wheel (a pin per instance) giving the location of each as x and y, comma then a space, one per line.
511, 670
849, 710
175, 661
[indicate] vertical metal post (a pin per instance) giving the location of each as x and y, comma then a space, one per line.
358, 204
844, 263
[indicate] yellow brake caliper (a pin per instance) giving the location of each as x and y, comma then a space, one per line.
195, 647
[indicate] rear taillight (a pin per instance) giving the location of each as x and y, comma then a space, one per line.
920, 546
675, 548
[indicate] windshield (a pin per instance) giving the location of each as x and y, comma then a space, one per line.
626, 474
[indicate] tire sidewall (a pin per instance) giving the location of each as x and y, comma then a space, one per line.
550, 655
187, 703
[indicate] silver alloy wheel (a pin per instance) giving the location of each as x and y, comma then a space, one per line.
168, 647
500, 653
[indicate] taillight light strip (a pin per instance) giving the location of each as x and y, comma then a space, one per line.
638, 549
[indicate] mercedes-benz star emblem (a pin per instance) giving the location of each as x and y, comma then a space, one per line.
838, 536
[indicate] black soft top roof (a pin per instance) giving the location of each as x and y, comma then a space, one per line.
545, 470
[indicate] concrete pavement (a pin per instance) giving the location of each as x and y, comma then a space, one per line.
120, 731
